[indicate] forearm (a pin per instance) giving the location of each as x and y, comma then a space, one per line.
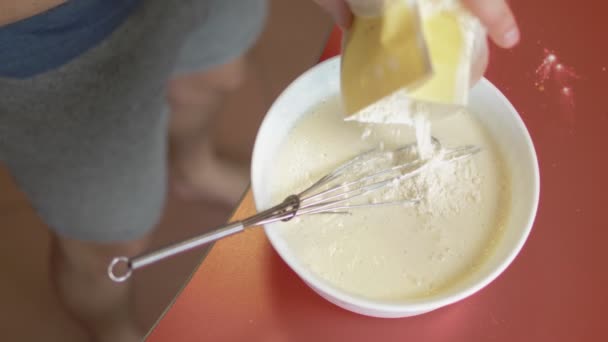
12, 11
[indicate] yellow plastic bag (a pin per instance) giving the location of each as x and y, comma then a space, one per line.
384, 51
452, 36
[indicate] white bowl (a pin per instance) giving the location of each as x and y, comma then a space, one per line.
498, 116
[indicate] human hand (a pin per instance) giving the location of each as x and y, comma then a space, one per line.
495, 15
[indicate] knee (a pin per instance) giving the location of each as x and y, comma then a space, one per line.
228, 77
215, 82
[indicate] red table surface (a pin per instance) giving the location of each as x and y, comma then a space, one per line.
556, 289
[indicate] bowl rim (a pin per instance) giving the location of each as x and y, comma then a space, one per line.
415, 305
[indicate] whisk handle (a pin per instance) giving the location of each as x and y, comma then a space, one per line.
121, 268
132, 264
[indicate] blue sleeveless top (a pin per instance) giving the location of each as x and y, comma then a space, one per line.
52, 38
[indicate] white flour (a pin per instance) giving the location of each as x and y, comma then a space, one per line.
422, 126
444, 188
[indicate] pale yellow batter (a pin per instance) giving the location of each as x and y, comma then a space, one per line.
394, 253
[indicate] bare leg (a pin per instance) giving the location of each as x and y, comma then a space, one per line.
103, 307
194, 99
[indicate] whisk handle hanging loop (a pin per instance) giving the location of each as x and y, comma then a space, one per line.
121, 268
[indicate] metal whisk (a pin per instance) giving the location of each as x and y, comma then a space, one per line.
349, 186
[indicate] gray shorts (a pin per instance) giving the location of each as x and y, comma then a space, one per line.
87, 141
